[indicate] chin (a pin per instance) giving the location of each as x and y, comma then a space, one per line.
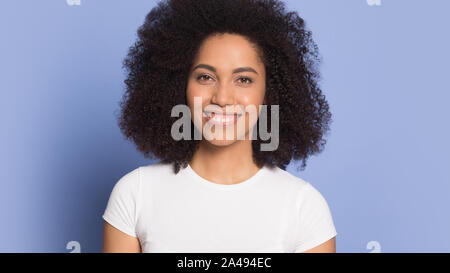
221, 143
225, 141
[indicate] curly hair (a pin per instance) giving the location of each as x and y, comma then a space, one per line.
158, 63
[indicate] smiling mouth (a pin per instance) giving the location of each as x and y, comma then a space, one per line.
221, 119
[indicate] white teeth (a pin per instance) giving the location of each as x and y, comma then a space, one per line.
223, 118
220, 118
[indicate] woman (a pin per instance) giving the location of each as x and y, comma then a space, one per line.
221, 193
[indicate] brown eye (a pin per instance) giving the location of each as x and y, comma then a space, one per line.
204, 76
246, 80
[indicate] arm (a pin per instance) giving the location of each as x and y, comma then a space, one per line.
327, 247
115, 240
316, 232
119, 234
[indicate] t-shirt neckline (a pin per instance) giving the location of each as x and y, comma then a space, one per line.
250, 181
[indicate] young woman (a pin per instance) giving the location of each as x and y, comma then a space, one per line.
221, 193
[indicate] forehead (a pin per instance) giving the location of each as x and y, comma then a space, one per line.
227, 51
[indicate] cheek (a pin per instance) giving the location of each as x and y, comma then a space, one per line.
253, 98
193, 92
197, 97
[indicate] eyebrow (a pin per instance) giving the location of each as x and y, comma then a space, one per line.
237, 70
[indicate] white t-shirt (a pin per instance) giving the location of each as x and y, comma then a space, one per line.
272, 211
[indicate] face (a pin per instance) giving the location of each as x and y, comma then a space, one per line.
228, 78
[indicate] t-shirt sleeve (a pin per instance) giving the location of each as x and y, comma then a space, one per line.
315, 223
121, 209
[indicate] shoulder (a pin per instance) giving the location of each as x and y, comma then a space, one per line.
284, 179
156, 170
128, 183
306, 192
157, 176
152, 172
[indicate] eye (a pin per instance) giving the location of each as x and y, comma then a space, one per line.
203, 76
246, 80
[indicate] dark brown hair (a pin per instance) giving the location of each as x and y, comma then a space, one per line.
158, 65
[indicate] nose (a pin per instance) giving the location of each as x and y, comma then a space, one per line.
223, 95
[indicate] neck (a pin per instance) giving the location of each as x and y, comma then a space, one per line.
228, 164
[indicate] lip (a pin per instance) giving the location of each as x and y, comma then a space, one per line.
221, 119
